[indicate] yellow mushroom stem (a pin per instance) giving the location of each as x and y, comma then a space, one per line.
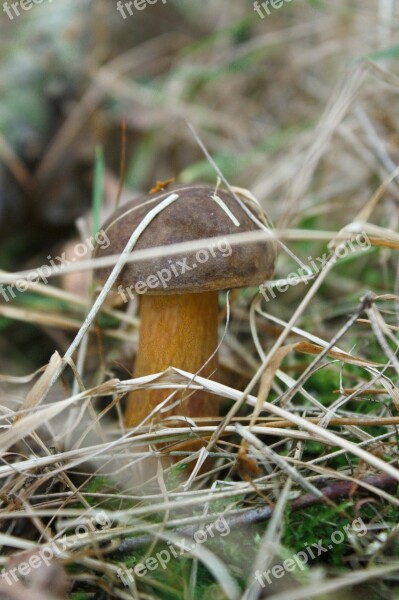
177, 330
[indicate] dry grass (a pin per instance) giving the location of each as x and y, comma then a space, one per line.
300, 109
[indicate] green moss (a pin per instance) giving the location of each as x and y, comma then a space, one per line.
97, 484
315, 525
323, 383
175, 475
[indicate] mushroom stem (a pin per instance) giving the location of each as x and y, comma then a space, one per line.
178, 330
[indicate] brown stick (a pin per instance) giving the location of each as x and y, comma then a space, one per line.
335, 491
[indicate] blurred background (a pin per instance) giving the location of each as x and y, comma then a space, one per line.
295, 100
299, 106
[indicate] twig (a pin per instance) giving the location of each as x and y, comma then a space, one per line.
336, 491
367, 422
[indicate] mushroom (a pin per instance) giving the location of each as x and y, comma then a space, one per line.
179, 293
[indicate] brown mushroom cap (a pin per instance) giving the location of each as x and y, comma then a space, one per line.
192, 217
